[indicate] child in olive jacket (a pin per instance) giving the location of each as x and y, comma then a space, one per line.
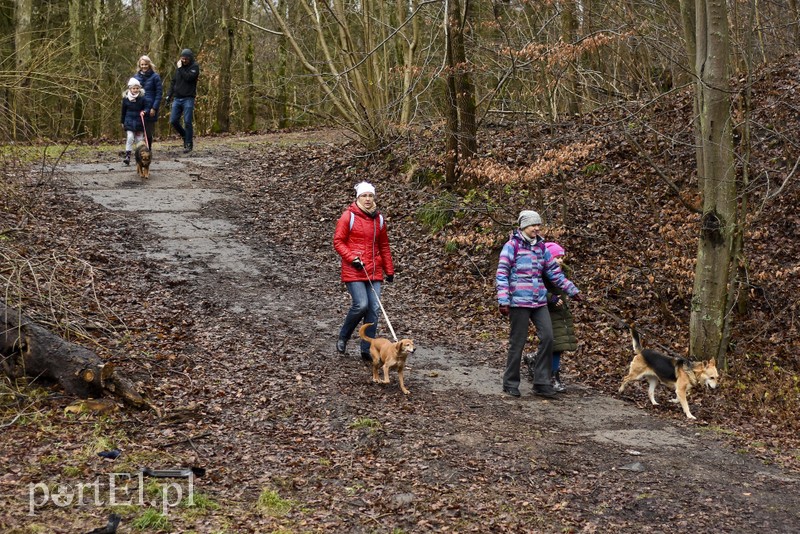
560, 316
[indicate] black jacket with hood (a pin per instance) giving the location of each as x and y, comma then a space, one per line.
184, 81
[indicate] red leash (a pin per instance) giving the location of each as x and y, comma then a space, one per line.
146, 141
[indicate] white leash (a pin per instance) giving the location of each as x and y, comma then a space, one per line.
388, 322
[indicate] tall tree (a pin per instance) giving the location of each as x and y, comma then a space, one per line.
569, 28
249, 111
22, 46
717, 172
461, 134
228, 28
451, 108
465, 89
78, 11
22, 33
406, 11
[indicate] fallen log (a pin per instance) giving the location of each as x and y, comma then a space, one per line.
29, 349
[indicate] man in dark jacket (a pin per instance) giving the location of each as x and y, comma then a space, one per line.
182, 92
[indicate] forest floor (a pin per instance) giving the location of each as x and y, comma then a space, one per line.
219, 276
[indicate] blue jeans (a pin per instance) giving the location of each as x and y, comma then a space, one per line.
556, 362
365, 306
183, 106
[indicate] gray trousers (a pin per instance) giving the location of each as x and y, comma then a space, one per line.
520, 320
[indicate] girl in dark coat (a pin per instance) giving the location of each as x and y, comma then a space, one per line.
560, 315
132, 116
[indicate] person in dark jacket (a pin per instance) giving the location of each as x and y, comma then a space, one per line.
182, 92
522, 297
564, 339
153, 88
362, 242
132, 116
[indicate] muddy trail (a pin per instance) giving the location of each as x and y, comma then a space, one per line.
234, 327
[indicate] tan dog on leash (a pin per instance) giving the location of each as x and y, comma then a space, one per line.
388, 354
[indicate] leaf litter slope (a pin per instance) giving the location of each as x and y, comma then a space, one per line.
243, 364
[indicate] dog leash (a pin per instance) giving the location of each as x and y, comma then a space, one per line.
146, 141
385, 316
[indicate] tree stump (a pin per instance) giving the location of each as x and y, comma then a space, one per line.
28, 349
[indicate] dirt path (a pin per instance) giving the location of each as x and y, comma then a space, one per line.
279, 410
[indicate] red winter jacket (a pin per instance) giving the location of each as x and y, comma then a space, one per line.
368, 240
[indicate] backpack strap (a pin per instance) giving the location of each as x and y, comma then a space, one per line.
515, 244
353, 220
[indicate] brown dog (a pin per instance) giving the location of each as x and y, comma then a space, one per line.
390, 355
143, 158
678, 373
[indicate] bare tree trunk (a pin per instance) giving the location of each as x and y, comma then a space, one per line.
795, 14
22, 42
714, 259
465, 89
285, 85
77, 16
451, 100
569, 28
249, 111
146, 27
94, 69
169, 46
689, 15
409, 54
31, 350
228, 29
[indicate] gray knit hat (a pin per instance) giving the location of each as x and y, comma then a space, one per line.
528, 218
187, 52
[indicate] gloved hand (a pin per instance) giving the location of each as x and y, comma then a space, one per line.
578, 297
504, 310
389, 278
357, 263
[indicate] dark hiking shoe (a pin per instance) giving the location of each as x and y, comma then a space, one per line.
341, 345
366, 356
558, 385
127, 159
514, 392
187, 148
546, 391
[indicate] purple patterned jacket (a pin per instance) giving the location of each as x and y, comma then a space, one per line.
520, 270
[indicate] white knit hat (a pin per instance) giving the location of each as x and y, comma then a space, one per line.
364, 187
134, 81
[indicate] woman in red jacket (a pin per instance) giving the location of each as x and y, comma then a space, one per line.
363, 243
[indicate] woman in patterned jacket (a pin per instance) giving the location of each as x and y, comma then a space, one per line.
522, 297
